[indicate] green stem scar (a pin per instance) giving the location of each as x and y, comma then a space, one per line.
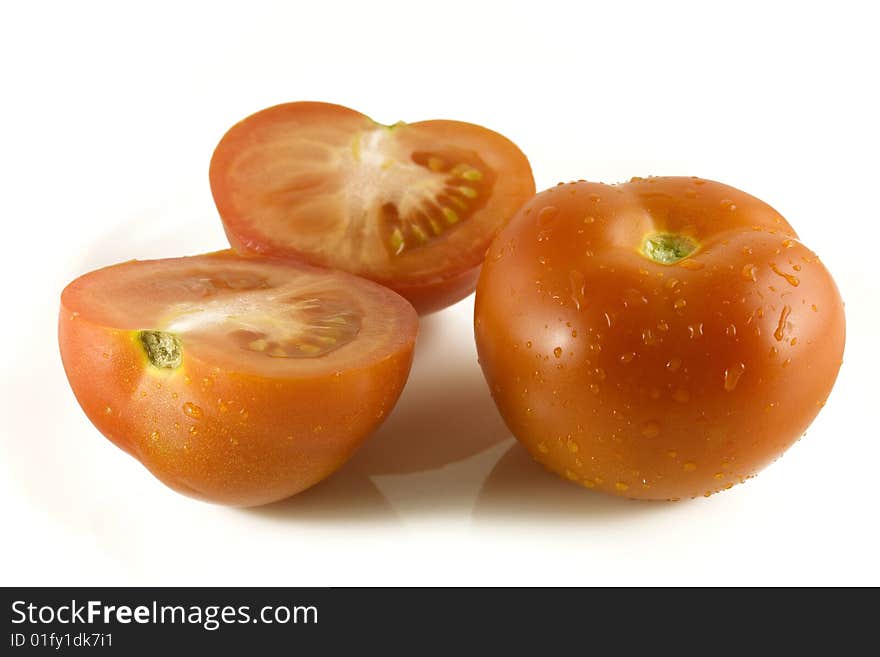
668, 248
162, 349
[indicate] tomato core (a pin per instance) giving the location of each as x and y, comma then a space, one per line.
163, 349
668, 248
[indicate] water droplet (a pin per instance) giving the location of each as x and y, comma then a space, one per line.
695, 331
672, 454
663, 325
727, 203
679, 305
681, 395
779, 333
589, 219
108, 410
595, 198
599, 373
207, 382
594, 388
672, 283
791, 279
749, 272
793, 342
732, 376
747, 250
547, 215
542, 447
814, 308
719, 475
693, 265
673, 364
589, 483
730, 330
578, 288
154, 436
621, 486
786, 362
627, 357
690, 466
557, 352
192, 410
528, 344
572, 446
650, 429
571, 475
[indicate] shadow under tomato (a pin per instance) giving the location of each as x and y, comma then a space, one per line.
345, 497
520, 488
445, 413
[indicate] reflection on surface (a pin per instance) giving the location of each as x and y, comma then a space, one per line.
445, 413
519, 488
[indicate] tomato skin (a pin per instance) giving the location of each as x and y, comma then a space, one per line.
219, 435
650, 380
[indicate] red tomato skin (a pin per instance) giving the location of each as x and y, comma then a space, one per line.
635, 393
221, 436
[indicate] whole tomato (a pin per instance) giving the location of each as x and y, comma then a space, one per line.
659, 339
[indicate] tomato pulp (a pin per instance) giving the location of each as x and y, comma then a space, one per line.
235, 379
411, 206
659, 339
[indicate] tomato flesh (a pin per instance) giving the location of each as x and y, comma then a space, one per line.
659, 339
412, 206
235, 379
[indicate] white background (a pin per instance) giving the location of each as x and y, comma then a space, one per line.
108, 117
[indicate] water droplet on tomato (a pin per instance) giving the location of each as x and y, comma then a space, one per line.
673, 364
557, 352
578, 288
781, 327
621, 486
547, 214
732, 375
749, 272
192, 410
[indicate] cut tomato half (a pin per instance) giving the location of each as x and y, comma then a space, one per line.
411, 206
235, 379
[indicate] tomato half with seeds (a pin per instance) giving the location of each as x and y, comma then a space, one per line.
237, 380
411, 206
660, 339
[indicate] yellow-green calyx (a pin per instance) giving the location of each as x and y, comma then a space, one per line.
668, 248
162, 349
